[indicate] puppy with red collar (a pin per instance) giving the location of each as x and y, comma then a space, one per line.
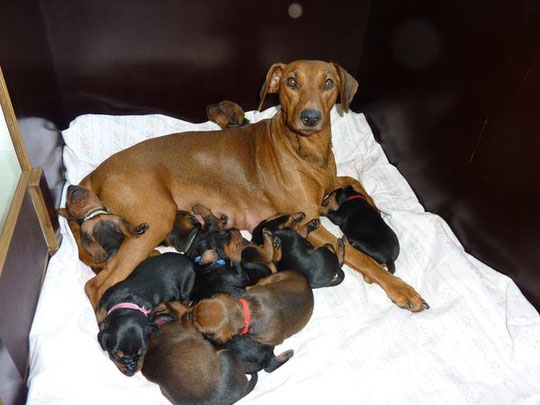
122, 312
100, 232
272, 310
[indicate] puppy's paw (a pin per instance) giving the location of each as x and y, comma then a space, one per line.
276, 242
141, 228
99, 257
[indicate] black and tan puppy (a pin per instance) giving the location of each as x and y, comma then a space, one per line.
122, 313
188, 369
321, 266
101, 233
186, 230
244, 265
227, 115
256, 356
275, 308
214, 276
362, 225
212, 234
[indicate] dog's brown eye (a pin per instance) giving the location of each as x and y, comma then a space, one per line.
291, 82
328, 84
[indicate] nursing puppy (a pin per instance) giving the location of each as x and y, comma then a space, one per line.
227, 115
321, 266
275, 308
101, 233
186, 230
362, 225
244, 265
122, 313
188, 369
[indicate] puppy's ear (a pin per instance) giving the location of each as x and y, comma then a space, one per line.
103, 336
212, 111
271, 84
347, 87
64, 213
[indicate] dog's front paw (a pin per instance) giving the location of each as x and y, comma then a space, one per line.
406, 297
140, 229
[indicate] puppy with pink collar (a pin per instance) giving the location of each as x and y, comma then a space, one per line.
123, 311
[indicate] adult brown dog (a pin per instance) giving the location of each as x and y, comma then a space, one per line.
283, 164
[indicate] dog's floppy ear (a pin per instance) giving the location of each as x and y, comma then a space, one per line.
271, 84
347, 86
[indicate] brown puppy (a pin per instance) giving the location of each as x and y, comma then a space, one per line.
185, 231
227, 115
188, 368
100, 232
275, 308
283, 164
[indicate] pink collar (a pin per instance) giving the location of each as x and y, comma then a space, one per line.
129, 305
354, 197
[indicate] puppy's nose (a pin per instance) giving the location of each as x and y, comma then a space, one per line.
310, 118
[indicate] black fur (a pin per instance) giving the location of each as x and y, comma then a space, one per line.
320, 265
163, 278
214, 278
364, 228
256, 356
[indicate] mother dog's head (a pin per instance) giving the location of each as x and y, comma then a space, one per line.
308, 90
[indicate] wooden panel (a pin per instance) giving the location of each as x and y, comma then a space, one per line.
20, 283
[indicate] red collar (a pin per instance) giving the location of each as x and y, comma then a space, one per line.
354, 197
247, 316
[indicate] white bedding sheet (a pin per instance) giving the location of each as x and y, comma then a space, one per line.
478, 344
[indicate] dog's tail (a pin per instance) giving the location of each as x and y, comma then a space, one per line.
390, 266
252, 383
338, 278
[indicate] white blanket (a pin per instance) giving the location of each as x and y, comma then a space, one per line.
478, 344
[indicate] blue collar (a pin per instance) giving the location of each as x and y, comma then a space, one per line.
221, 262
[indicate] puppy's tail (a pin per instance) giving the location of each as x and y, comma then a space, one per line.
252, 383
390, 266
338, 278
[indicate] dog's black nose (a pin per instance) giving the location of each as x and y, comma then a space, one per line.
310, 118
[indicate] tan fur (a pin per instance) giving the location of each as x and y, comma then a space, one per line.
248, 173
280, 305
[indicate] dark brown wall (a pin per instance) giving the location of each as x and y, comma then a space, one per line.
451, 88
176, 57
